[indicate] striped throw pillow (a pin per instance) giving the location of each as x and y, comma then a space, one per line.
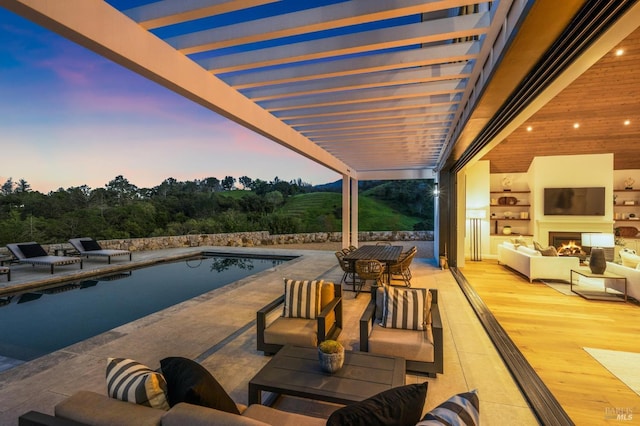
404, 308
128, 380
461, 410
301, 298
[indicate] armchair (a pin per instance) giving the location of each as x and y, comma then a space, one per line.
296, 329
422, 349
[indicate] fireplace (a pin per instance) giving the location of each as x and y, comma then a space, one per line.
557, 239
567, 244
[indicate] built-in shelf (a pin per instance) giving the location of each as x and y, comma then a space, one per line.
626, 202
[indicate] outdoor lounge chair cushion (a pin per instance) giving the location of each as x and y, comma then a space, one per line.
409, 344
398, 406
188, 381
294, 331
32, 250
301, 298
90, 408
462, 409
128, 380
90, 245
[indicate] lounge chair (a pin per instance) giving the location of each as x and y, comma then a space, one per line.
90, 247
34, 254
298, 325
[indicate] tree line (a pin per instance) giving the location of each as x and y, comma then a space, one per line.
210, 205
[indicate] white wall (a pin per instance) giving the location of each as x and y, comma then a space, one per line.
477, 186
620, 176
570, 171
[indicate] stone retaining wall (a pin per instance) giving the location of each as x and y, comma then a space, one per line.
251, 239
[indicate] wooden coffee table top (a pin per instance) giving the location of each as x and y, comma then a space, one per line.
296, 371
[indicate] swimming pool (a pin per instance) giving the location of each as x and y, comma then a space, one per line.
42, 321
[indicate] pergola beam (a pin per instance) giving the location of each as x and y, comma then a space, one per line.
425, 56
439, 30
425, 74
304, 22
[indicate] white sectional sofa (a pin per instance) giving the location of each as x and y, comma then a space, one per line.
628, 269
530, 263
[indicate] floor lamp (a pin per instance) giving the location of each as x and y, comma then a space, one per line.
598, 241
475, 229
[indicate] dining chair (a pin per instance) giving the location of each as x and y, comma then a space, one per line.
369, 269
401, 269
347, 268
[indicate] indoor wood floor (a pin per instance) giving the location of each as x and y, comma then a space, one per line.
551, 329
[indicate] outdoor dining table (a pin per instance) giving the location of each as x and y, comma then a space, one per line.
382, 253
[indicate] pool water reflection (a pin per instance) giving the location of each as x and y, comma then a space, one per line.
40, 322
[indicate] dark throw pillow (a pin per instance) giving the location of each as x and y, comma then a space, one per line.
399, 406
188, 381
90, 245
460, 410
32, 250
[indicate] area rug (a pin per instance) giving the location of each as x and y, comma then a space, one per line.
623, 365
590, 287
560, 286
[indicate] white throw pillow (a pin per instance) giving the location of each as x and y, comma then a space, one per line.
629, 259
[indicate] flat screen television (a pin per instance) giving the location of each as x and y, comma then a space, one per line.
574, 201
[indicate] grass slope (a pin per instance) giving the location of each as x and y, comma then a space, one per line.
322, 210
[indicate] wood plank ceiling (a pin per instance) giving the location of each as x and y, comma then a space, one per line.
600, 101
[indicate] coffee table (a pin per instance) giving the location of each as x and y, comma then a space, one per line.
598, 295
295, 371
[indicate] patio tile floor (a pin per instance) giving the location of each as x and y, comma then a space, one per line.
203, 329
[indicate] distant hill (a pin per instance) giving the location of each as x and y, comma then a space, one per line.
323, 210
329, 187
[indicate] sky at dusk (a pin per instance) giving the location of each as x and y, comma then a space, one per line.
69, 117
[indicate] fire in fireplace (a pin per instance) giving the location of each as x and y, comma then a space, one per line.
567, 243
570, 249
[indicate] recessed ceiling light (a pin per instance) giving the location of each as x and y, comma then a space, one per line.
627, 122
619, 52
529, 128
576, 125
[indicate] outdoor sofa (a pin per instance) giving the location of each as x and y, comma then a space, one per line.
90, 408
33, 253
89, 247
